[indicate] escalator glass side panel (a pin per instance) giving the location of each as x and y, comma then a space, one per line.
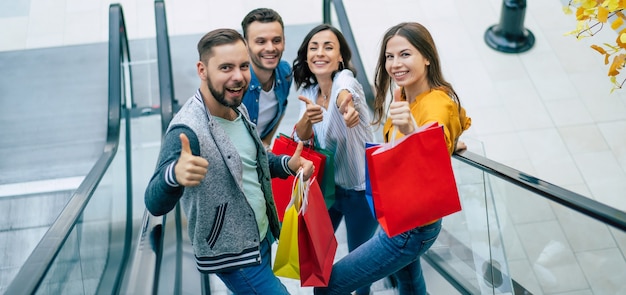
90, 257
470, 241
554, 249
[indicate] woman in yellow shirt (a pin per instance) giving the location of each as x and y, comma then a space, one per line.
409, 58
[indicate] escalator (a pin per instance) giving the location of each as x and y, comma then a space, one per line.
97, 245
86, 248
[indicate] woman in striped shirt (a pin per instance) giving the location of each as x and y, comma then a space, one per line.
333, 109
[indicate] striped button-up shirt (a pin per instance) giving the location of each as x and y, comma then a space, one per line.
348, 144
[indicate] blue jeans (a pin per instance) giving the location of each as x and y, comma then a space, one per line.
382, 256
360, 224
259, 279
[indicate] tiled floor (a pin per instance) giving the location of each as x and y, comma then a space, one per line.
547, 112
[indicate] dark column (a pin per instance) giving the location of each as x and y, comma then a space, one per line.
509, 35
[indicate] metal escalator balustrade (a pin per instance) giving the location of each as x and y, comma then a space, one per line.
554, 240
85, 249
144, 272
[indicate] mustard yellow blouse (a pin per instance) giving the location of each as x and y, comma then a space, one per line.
437, 106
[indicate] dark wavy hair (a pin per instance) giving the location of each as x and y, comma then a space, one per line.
214, 38
421, 39
302, 75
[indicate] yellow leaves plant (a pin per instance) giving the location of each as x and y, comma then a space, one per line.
591, 15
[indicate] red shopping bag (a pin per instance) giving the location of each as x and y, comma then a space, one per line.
281, 188
316, 239
412, 180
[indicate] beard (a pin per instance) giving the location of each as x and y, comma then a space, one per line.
220, 95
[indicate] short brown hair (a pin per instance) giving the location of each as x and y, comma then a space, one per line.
214, 38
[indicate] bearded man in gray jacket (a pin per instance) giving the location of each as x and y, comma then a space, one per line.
214, 162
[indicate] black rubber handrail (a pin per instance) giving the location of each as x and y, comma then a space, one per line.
569, 199
36, 266
164, 62
145, 268
169, 105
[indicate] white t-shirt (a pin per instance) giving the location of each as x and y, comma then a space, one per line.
268, 108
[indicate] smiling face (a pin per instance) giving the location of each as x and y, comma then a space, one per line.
226, 73
266, 43
405, 64
323, 54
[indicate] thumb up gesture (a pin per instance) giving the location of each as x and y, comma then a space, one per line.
313, 112
400, 113
189, 169
296, 162
350, 114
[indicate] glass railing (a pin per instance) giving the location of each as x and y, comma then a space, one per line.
85, 263
86, 248
518, 234
469, 251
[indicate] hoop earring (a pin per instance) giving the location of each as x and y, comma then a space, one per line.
341, 66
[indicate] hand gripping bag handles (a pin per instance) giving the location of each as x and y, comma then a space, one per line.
412, 180
315, 243
281, 188
324, 169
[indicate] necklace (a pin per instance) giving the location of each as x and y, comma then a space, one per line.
324, 97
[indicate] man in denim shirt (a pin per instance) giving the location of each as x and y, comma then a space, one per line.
271, 78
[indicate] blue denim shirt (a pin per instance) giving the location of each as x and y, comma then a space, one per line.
284, 78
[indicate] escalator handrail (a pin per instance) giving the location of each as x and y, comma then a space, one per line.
144, 270
164, 62
36, 266
168, 101
589, 207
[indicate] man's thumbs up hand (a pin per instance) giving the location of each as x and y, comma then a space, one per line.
296, 162
189, 169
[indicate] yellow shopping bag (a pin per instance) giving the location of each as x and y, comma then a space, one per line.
287, 262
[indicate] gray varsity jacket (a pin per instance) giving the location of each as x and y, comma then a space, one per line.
221, 223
